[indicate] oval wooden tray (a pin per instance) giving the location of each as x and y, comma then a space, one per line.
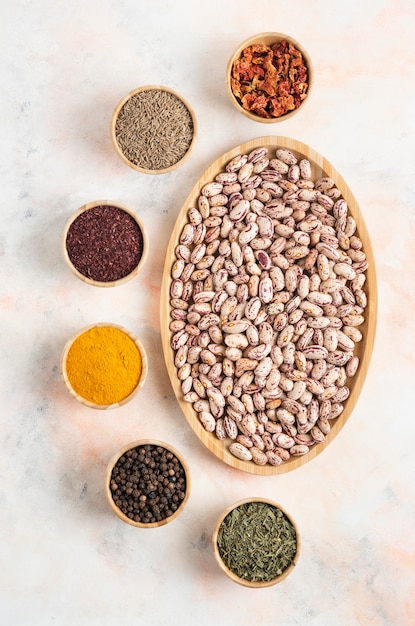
321, 167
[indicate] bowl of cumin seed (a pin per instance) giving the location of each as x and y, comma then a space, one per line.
153, 129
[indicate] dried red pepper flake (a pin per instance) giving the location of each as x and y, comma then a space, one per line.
270, 81
104, 243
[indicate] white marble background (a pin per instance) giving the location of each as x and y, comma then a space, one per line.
65, 558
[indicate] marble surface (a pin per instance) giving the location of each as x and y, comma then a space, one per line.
65, 558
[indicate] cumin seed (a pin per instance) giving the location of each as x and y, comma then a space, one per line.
154, 129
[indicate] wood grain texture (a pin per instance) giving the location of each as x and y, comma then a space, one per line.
321, 167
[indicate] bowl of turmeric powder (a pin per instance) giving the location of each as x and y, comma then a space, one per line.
104, 366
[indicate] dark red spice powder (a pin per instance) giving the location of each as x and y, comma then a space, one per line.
104, 243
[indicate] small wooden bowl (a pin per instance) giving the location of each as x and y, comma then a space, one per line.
267, 39
83, 277
242, 581
93, 405
112, 463
118, 148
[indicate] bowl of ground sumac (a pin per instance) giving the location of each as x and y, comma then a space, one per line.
153, 129
269, 77
104, 243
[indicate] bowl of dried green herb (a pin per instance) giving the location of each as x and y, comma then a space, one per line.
104, 243
153, 129
104, 365
256, 543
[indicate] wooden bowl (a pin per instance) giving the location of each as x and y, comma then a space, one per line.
86, 402
141, 167
246, 582
108, 493
124, 278
321, 167
267, 39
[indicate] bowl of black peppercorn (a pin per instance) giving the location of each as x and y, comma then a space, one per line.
147, 483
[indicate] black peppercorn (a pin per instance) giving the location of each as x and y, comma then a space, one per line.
148, 483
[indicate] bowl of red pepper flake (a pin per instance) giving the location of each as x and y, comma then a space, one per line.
269, 77
104, 243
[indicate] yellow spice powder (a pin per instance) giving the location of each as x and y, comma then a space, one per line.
104, 365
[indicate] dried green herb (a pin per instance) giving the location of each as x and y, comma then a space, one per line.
257, 541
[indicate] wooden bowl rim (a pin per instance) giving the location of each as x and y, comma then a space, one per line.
267, 38
229, 572
117, 110
140, 443
144, 366
111, 283
215, 446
